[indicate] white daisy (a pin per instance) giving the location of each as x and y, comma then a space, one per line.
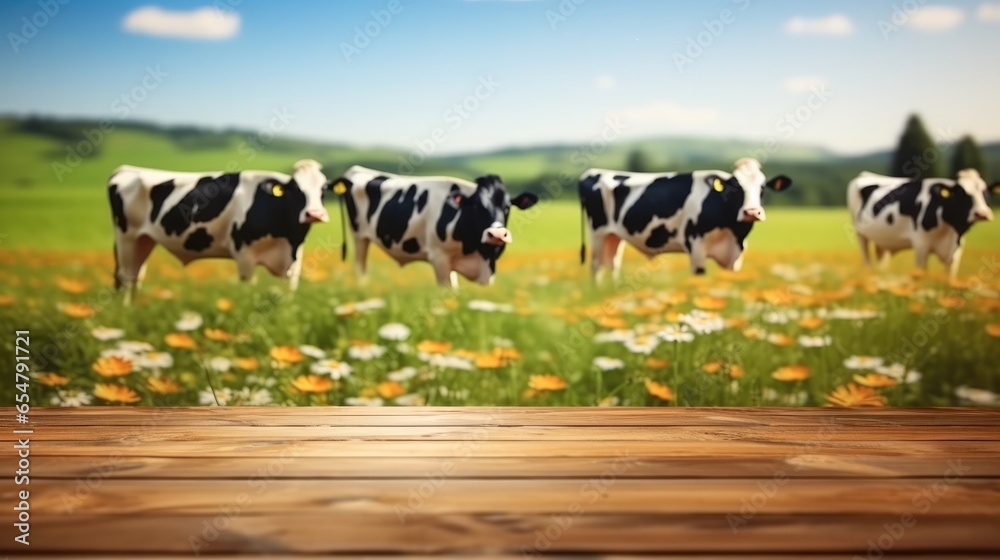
460, 395
675, 333
617, 335
642, 344
490, 306
333, 368
154, 360
370, 304
365, 352
900, 373
445, 361
363, 401
247, 396
106, 333
223, 395
262, 381
220, 364
394, 331
403, 374
815, 341
504, 342
981, 397
412, 399
71, 398
605, 363
135, 346
854, 314
189, 321
609, 401
863, 362
312, 351
120, 353
702, 322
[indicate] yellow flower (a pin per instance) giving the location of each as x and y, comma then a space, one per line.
389, 389
875, 380
180, 340
854, 395
218, 335
736, 372
709, 303
433, 347
246, 364
659, 391
737, 322
811, 322
224, 304
6, 300
52, 379
112, 367
312, 383
507, 353
609, 322
712, 367
546, 383
656, 363
286, 355
779, 339
490, 361
163, 386
115, 393
77, 310
72, 286
993, 329
791, 373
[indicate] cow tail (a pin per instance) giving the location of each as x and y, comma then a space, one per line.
583, 233
343, 228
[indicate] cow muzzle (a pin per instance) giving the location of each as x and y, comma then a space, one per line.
752, 215
498, 236
985, 215
315, 216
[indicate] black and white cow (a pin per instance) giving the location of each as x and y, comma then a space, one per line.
703, 213
455, 225
253, 217
928, 215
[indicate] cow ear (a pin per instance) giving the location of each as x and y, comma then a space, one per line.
995, 188
273, 188
779, 183
941, 190
454, 199
525, 200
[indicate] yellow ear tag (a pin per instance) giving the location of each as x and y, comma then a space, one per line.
717, 185
340, 188
945, 193
277, 191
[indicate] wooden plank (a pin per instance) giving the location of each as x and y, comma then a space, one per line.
440, 495
719, 465
487, 556
507, 532
477, 416
158, 434
488, 448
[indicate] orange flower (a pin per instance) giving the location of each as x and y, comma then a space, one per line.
52, 380
736, 372
854, 395
916, 307
737, 322
286, 355
656, 363
875, 380
312, 383
951, 302
180, 340
712, 367
6, 300
224, 304
389, 389
433, 347
112, 366
709, 303
246, 364
791, 373
77, 310
450, 303
754, 333
779, 339
218, 335
490, 361
659, 391
609, 322
993, 329
72, 285
507, 353
811, 322
115, 393
546, 383
163, 386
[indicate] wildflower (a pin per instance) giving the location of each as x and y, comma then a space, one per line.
312, 351
51, 379
618, 335
900, 373
6, 301
72, 285
609, 401
862, 362
135, 346
365, 351
363, 401
332, 368
981, 397
854, 395
154, 360
112, 367
115, 393
286, 355
642, 344
189, 321
403, 374
811, 322
312, 384
163, 385
220, 364
75, 398
433, 347
106, 333
656, 363
675, 333
490, 307
546, 383
604, 363
702, 322
993, 329
218, 335
77, 310
246, 364
709, 302
659, 390
779, 339
489, 361
815, 341
412, 399
181, 341
875, 380
218, 397
445, 361
389, 389
394, 331
224, 305
791, 373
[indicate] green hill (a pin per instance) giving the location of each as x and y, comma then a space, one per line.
41, 153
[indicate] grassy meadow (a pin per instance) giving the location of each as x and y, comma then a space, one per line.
801, 325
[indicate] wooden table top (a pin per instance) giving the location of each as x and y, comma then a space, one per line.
508, 482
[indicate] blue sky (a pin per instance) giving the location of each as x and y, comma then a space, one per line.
557, 75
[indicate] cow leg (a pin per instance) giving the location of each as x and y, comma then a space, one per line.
132, 253
446, 277
697, 256
596, 254
863, 243
361, 258
953, 262
245, 265
883, 256
614, 251
295, 270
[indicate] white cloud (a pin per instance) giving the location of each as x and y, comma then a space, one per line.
833, 24
665, 112
936, 18
988, 12
202, 23
804, 84
606, 82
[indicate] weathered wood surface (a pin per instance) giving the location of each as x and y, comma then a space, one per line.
715, 483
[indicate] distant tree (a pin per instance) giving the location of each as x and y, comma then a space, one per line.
967, 156
916, 155
637, 162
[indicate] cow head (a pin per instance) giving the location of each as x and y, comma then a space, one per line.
482, 222
308, 178
965, 202
744, 190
